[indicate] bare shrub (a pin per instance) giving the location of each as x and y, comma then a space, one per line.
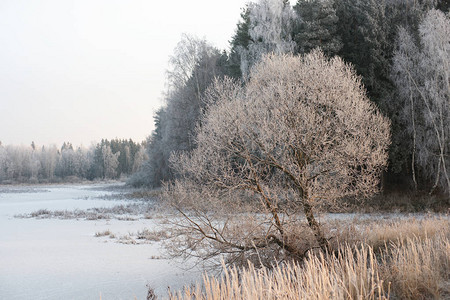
300, 135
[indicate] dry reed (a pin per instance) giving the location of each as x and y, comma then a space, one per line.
413, 263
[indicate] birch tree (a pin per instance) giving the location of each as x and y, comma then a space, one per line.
301, 135
421, 73
271, 23
194, 66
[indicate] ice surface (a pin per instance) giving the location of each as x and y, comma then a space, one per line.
27, 199
62, 259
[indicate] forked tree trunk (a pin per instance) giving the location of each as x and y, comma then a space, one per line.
315, 226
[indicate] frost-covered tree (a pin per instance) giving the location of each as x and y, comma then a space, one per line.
156, 168
82, 162
49, 158
139, 158
195, 61
66, 165
194, 66
127, 149
409, 13
368, 31
50, 164
3, 161
35, 163
192, 60
270, 26
110, 162
317, 27
17, 166
125, 159
421, 73
301, 135
239, 43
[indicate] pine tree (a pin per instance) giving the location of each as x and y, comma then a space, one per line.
317, 27
365, 30
239, 44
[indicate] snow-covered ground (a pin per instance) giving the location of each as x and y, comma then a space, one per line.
62, 259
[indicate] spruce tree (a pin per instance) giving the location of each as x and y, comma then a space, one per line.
317, 27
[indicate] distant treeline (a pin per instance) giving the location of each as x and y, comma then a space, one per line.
104, 160
400, 48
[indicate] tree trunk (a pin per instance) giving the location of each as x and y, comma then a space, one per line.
314, 225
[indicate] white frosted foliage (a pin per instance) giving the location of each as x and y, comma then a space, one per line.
300, 135
271, 22
421, 73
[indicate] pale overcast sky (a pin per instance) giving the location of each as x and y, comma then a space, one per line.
83, 70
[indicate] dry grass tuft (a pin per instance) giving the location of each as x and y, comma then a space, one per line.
105, 233
379, 232
124, 212
412, 263
350, 275
152, 235
419, 268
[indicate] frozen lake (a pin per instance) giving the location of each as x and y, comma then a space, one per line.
62, 259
